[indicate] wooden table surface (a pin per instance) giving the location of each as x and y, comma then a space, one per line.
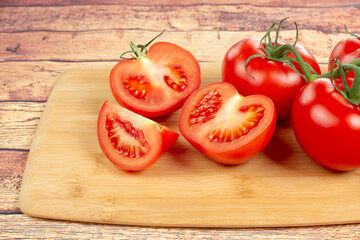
41, 39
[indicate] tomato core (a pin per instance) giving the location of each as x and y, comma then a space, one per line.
223, 135
125, 138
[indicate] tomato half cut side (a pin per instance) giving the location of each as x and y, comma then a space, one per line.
225, 126
157, 84
130, 141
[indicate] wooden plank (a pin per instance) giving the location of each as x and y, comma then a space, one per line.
18, 122
174, 18
12, 165
18, 226
308, 3
107, 45
34, 80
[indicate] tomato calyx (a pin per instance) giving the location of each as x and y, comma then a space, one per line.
352, 94
275, 52
139, 51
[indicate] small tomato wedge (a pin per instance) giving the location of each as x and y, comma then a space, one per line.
158, 82
130, 141
225, 126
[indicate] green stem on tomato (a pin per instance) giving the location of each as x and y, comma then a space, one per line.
336, 72
352, 34
139, 50
354, 90
308, 75
288, 47
352, 94
139, 55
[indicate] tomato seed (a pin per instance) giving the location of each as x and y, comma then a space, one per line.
206, 108
137, 86
119, 131
178, 81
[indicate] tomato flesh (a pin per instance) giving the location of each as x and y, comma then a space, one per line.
137, 86
130, 141
158, 84
226, 126
177, 82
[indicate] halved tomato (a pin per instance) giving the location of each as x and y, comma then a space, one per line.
130, 141
225, 126
157, 83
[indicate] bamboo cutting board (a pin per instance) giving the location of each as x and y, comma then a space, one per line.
68, 177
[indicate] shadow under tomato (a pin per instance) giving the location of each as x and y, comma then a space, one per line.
281, 149
178, 151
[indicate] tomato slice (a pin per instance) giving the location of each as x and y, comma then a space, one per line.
225, 126
130, 141
157, 84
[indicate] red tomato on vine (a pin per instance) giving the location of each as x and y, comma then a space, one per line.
263, 66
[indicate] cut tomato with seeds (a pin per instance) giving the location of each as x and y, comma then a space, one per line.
158, 82
178, 82
137, 86
126, 139
129, 140
225, 126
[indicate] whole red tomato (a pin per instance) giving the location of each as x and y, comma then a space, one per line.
346, 50
271, 78
327, 126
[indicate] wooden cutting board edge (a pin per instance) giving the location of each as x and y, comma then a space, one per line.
25, 194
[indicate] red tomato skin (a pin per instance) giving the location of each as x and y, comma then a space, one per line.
164, 136
160, 53
245, 150
270, 78
348, 50
326, 126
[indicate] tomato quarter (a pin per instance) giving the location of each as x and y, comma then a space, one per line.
130, 141
157, 83
225, 126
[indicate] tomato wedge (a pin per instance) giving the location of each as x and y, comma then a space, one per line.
226, 126
130, 141
157, 83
